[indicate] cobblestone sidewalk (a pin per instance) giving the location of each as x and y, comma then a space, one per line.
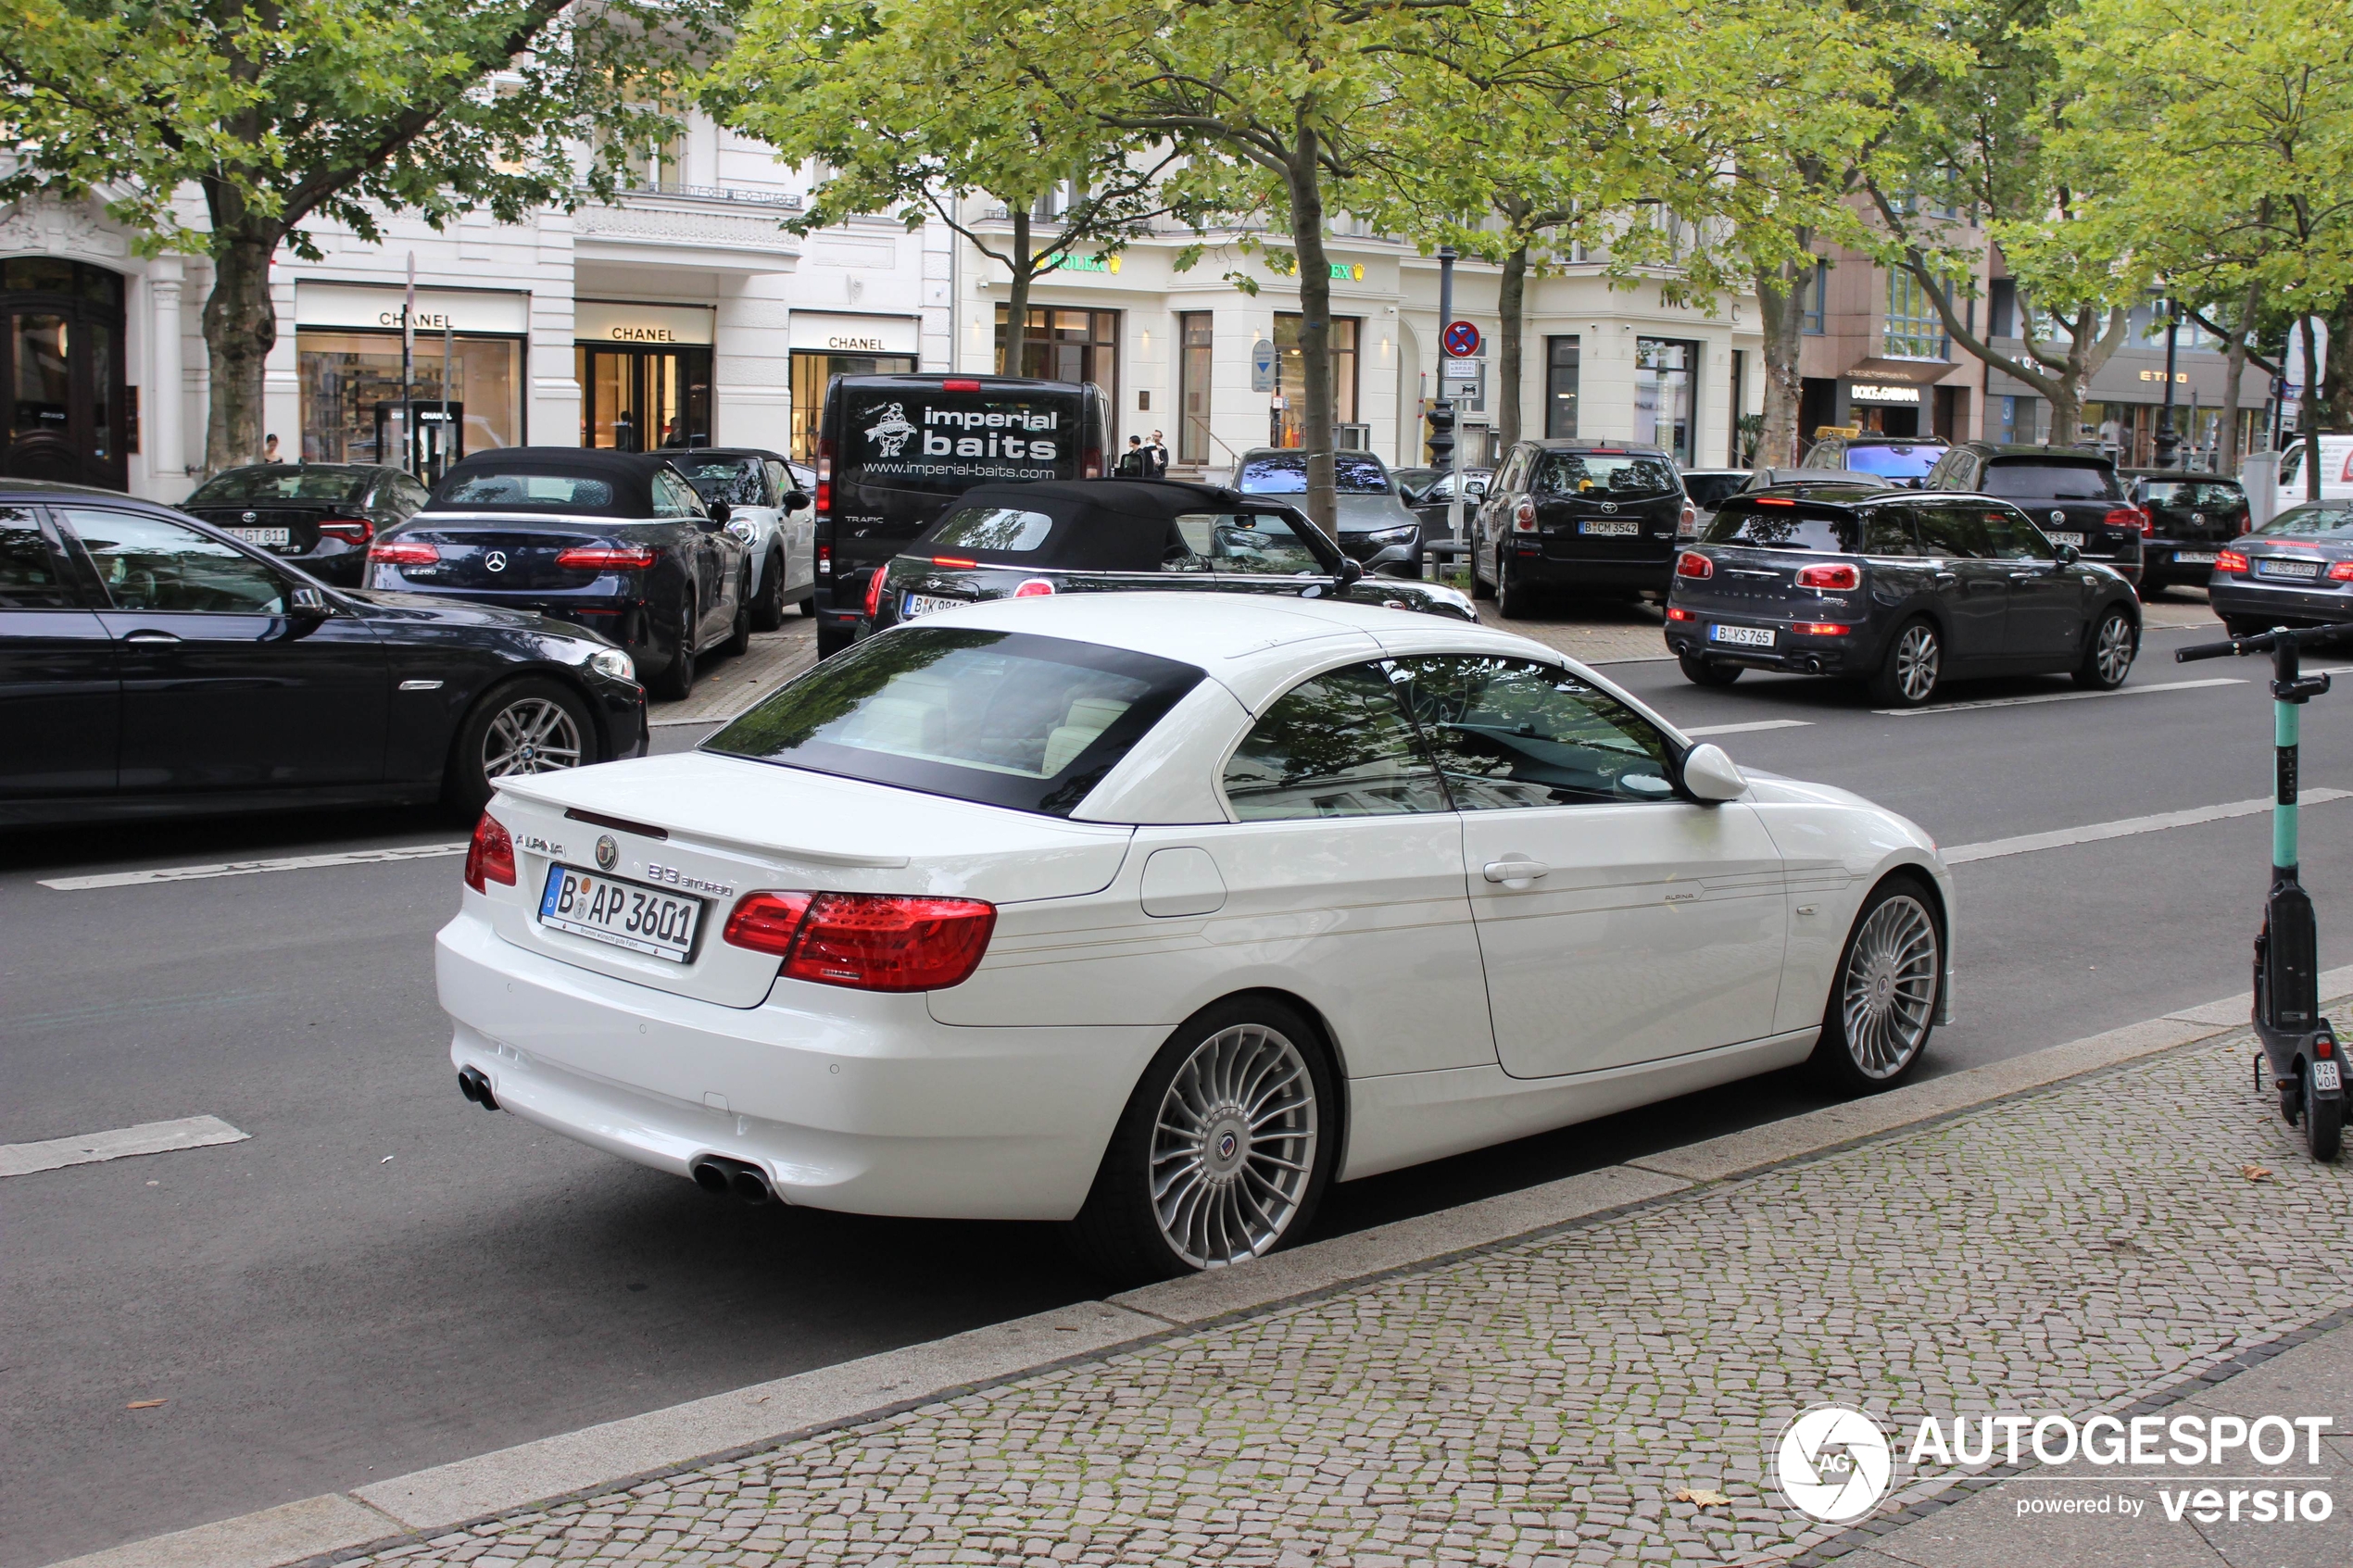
1547, 1401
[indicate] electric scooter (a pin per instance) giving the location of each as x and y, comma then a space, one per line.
2307, 1062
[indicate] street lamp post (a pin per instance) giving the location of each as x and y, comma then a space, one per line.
2169, 446
1443, 453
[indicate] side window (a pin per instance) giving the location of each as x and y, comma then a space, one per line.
1511, 733
147, 563
1887, 530
1515, 474
32, 577
414, 494
675, 498
1956, 531
779, 483
1336, 744
2009, 536
1247, 544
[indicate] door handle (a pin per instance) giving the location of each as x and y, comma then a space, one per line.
150, 637
1947, 579
1509, 872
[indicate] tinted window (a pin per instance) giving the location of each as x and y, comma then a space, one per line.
2313, 519
1897, 462
1599, 474
675, 498
2008, 536
1334, 745
1708, 491
736, 480
2185, 495
1287, 476
280, 482
1952, 530
1769, 527
1512, 733
559, 491
997, 717
31, 577
1252, 543
147, 563
1887, 530
2041, 479
930, 439
996, 531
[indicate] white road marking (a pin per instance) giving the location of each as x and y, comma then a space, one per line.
2056, 696
1745, 729
148, 1138
1994, 849
249, 868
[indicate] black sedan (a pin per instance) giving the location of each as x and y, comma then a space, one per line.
1901, 588
2191, 516
618, 542
320, 515
1110, 536
2295, 571
1590, 517
150, 665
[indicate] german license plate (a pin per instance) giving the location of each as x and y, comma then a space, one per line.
2058, 537
2325, 1076
1741, 636
627, 914
923, 603
260, 535
2194, 557
2271, 566
1610, 528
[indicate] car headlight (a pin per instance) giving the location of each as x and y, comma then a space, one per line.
1394, 536
613, 662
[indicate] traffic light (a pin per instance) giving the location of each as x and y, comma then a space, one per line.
1441, 435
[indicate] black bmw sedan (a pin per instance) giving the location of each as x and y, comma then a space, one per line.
1903, 589
322, 516
150, 665
617, 542
1118, 536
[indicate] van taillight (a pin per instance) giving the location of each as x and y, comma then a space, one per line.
824, 500
867, 941
1094, 465
960, 386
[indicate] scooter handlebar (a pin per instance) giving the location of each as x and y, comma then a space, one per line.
2264, 642
2209, 651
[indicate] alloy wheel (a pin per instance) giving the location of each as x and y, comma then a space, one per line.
2113, 652
1233, 1147
1918, 661
1887, 997
531, 735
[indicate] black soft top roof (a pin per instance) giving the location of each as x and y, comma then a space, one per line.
1105, 524
631, 475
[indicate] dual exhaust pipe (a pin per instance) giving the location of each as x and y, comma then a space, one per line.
474, 1085
719, 1176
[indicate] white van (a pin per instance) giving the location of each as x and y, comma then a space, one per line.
2337, 471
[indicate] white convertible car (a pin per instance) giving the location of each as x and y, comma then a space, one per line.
1161, 911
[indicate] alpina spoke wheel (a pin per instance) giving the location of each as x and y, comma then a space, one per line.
1882, 1005
1233, 1146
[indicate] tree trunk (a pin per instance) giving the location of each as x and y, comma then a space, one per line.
1017, 299
1778, 293
240, 329
1303, 177
2308, 410
2227, 460
2336, 402
1511, 344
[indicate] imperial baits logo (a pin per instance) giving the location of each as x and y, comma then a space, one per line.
1832, 1463
889, 433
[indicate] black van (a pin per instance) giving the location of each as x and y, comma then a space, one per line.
892, 450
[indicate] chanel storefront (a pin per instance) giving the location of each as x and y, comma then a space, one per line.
469, 349
824, 346
645, 374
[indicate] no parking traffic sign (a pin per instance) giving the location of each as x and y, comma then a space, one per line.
1461, 339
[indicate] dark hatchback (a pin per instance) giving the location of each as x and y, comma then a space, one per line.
2074, 497
618, 542
2295, 571
1119, 535
2191, 516
152, 666
1582, 516
322, 516
1899, 588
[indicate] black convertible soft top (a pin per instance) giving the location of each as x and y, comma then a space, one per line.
1098, 524
577, 481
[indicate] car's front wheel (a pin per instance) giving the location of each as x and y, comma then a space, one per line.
738, 641
1513, 599
1224, 1150
1704, 672
1882, 1002
2108, 654
768, 609
676, 681
532, 725
1914, 665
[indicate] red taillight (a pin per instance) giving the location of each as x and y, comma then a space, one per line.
402, 552
1690, 563
824, 561
2341, 572
873, 590
2325, 1047
960, 386
1093, 467
1818, 629
1687, 526
1772, 501
1524, 517
823, 503
1675, 614
870, 940
2133, 518
350, 529
1036, 588
1838, 578
491, 856
2228, 560
952, 560
606, 557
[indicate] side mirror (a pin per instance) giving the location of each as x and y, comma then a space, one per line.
1349, 575
1476, 490
1710, 775
2069, 555
720, 512
309, 604
796, 499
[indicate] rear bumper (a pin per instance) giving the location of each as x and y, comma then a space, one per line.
1853, 654
1576, 571
617, 617
2273, 604
848, 1100
2158, 564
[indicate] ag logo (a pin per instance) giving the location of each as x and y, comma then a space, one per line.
1832, 1463
608, 852
496, 560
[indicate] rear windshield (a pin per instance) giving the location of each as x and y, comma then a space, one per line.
565, 491
2192, 493
1001, 718
739, 482
1782, 528
993, 530
275, 483
1895, 462
1709, 490
2042, 480
2313, 519
1287, 476
1615, 474
928, 439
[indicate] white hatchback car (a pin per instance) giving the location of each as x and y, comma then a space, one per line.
1161, 911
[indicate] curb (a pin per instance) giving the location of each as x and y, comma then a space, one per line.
618, 1454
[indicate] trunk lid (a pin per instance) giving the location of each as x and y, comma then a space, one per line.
1754, 582
503, 554
715, 828
300, 520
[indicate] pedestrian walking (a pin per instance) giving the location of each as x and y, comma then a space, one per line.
1133, 463
1156, 456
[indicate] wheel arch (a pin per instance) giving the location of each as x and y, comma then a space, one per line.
1923, 874
1335, 1054
562, 675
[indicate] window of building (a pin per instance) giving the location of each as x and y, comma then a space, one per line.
1287, 424
1914, 329
351, 393
812, 372
1813, 298
1664, 372
1560, 387
1194, 336
1064, 344
2016, 419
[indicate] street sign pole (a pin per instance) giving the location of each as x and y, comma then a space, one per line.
1443, 452
2168, 444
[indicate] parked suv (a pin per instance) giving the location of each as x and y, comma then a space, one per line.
1586, 516
2191, 516
1900, 461
2072, 496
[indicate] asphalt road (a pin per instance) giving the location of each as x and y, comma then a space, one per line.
384, 1277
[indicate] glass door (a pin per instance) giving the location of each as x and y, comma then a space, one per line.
641, 399
61, 363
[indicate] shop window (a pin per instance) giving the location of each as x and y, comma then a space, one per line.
1561, 354
351, 393
1287, 423
812, 372
1193, 368
1066, 344
640, 399
1664, 372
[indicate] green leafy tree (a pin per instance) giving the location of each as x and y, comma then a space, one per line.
277, 114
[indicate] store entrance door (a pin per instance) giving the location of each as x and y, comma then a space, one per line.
639, 399
62, 362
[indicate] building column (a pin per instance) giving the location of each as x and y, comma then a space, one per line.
166, 385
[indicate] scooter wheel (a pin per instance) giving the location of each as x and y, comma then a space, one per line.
2323, 1127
